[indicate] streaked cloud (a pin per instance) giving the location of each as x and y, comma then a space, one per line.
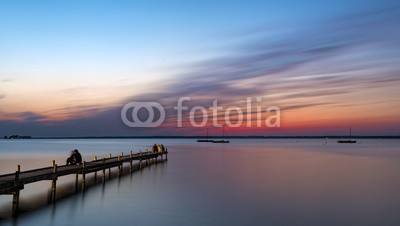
26, 117
330, 68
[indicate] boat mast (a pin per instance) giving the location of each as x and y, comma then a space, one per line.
350, 132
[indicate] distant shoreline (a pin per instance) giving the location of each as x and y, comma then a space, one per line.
216, 137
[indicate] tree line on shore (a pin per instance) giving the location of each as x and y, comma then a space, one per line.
17, 137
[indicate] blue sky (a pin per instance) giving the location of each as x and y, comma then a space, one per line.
62, 62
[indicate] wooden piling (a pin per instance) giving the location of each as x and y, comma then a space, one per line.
119, 166
148, 160
104, 170
95, 173
54, 183
166, 154
109, 169
140, 161
130, 162
76, 182
15, 204
83, 175
122, 162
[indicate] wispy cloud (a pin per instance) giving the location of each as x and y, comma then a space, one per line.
295, 65
26, 117
326, 60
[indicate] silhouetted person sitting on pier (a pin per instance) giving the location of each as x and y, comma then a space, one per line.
75, 158
154, 148
161, 148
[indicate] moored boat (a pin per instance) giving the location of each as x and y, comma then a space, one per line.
349, 141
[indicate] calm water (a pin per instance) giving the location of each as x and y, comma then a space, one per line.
246, 182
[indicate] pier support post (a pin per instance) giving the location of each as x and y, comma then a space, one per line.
83, 175
104, 170
76, 182
95, 172
140, 161
119, 165
130, 162
109, 169
166, 154
15, 204
54, 183
148, 157
122, 160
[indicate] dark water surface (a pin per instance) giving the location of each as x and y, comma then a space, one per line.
245, 182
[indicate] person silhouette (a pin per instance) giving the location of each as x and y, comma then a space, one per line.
75, 158
154, 148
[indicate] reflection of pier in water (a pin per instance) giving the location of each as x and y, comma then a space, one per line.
13, 183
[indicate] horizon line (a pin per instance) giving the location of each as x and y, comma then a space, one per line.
226, 137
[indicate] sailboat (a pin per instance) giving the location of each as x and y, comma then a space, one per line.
349, 141
205, 140
223, 140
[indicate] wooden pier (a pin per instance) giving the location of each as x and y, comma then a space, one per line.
13, 183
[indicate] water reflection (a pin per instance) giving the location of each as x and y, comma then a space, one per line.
246, 182
53, 213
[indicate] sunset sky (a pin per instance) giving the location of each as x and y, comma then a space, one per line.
67, 68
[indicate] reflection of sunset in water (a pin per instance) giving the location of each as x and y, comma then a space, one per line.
305, 180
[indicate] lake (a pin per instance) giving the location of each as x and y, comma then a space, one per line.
245, 182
